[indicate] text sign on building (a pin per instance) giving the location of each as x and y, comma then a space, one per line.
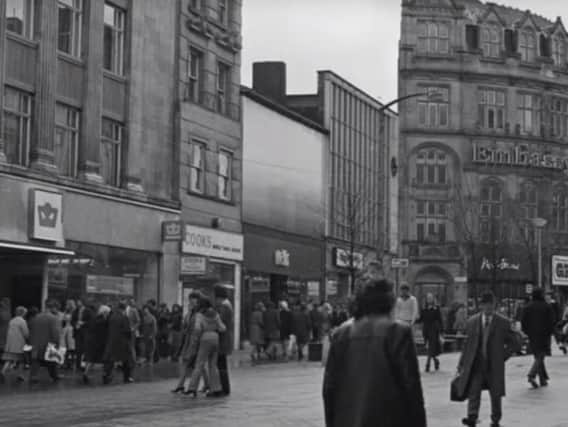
172, 231
528, 288
212, 243
342, 259
193, 265
313, 289
282, 258
400, 263
46, 215
110, 285
560, 270
331, 287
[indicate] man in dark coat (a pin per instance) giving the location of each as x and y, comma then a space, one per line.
225, 310
45, 329
80, 320
490, 342
118, 347
538, 324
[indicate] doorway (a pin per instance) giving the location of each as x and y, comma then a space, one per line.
21, 278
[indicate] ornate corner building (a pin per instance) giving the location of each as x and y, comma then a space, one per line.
485, 145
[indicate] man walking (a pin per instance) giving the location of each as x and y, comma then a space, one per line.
490, 342
225, 310
406, 310
538, 324
118, 348
45, 329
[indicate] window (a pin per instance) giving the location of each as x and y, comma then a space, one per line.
431, 221
431, 167
111, 150
115, 24
529, 112
66, 139
223, 12
491, 42
433, 37
224, 175
559, 115
492, 109
194, 75
529, 201
560, 210
70, 26
17, 125
433, 108
223, 73
491, 203
20, 17
559, 51
197, 168
527, 45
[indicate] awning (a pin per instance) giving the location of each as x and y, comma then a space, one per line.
35, 248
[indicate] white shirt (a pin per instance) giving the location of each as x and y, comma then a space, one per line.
406, 309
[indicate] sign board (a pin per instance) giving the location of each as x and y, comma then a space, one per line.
172, 231
110, 285
528, 288
331, 288
560, 270
400, 263
342, 259
46, 211
259, 285
314, 289
460, 279
193, 265
212, 243
282, 258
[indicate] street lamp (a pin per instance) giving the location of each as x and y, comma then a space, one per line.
539, 224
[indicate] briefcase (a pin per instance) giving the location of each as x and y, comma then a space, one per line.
455, 395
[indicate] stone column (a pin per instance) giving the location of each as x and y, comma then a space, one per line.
43, 133
90, 149
2, 62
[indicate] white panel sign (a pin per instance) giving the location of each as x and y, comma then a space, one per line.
212, 243
47, 215
560, 270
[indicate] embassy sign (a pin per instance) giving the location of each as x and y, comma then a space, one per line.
514, 154
46, 215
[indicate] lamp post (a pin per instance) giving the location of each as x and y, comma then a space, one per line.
539, 224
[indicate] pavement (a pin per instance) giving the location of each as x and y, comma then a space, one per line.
280, 395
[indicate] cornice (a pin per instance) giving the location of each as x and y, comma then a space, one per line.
227, 39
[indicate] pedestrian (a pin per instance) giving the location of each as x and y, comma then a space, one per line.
31, 314
225, 310
175, 328
153, 306
45, 330
431, 319
80, 318
134, 319
163, 333
557, 312
286, 329
256, 335
406, 310
489, 343
118, 345
316, 320
460, 322
208, 326
301, 328
96, 338
372, 376
5, 317
16, 338
68, 334
271, 330
149, 334
538, 324
326, 319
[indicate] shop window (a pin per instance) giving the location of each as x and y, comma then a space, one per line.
20, 17
18, 107
70, 26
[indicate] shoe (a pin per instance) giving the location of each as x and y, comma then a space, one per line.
564, 350
495, 425
436, 364
191, 393
469, 422
204, 390
86, 379
177, 390
215, 394
20, 379
128, 380
544, 383
107, 380
533, 383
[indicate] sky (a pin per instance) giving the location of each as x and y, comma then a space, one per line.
358, 39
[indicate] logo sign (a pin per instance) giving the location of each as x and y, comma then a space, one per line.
560, 270
342, 259
400, 263
502, 265
528, 288
46, 215
110, 285
331, 288
212, 243
282, 258
172, 231
193, 265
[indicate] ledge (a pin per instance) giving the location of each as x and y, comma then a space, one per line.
22, 40
210, 198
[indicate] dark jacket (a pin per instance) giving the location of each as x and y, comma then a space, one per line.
501, 345
119, 338
225, 310
45, 328
431, 318
5, 318
272, 324
301, 326
372, 376
286, 326
96, 339
538, 324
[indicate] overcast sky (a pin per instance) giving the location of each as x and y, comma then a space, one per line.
358, 39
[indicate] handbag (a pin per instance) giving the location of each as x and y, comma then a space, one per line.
455, 395
54, 355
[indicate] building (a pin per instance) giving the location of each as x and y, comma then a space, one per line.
208, 126
86, 149
483, 146
358, 202
284, 182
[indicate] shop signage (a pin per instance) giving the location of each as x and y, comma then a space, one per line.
259, 285
400, 263
110, 285
331, 288
193, 265
502, 265
342, 259
172, 231
46, 215
528, 288
519, 155
560, 270
314, 289
212, 243
282, 258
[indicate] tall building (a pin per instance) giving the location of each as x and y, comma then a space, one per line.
86, 149
483, 147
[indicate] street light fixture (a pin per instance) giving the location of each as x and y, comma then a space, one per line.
539, 224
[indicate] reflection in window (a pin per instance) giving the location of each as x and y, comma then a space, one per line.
20, 17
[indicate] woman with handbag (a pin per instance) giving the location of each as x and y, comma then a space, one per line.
16, 338
431, 318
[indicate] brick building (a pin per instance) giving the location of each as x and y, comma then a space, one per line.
484, 147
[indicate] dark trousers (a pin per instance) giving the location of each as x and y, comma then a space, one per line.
479, 381
223, 368
79, 347
126, 370
51, 368
539, 368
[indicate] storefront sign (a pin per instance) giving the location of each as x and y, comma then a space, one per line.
528, 288
46, 215
331, 288
212, 243
193, 265
110, 285
314, 289
502, 265
560, 270
400, 263
342, 259
294, 287
172, 231
259, 285
282, 258
519, 155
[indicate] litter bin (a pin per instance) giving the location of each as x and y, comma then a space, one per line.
315, 350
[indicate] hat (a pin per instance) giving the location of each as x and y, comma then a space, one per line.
487, 298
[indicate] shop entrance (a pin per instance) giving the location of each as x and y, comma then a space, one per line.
21, 278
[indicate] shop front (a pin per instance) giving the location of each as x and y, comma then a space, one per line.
338, 274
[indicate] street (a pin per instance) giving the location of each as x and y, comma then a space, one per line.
271, 395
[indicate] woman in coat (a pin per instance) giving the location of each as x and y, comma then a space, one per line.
431, 318
5, 316
149, 334
67, 332
95, 340
301, 327
175, 328
271, 319
16, 338
257, 332
118, 347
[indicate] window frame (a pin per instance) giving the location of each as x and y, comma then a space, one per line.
560, 210
25, 119
199, 169
431, 111
194, 81
490, 106
118, 31
223, 90
528, 198
28, 21
532, 113
528, 50
492, 45
223, 12
118, 142
74, 131
559, 117
432, 216
431, 41
76, 32
428, 166
228, 178
490, 205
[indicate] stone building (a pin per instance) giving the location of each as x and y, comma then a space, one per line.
484, 146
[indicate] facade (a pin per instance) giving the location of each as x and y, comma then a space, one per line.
86, 149
483, 146
208, 126
284, 176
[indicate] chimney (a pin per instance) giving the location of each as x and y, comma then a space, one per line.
269, 79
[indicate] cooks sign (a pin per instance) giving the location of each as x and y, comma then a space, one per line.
212, 243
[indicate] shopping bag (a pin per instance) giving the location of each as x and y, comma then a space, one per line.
54, 355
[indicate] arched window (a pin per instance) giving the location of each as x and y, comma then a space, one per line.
527, 45
431, 167
529, 209
491, 211
559, 50
560, 210
491, 41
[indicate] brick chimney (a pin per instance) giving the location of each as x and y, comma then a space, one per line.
269, 79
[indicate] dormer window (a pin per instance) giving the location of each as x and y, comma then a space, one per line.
527, 45
559, 51
491, 41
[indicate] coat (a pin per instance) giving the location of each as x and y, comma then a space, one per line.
118, 346
501, 345
538, 324
256, 333
18, 335
209, 326
149, 327
286, 324
225, 310
372, 376
45, 328
431, 318
188, 348
301, 326
96, 338
271, 325
4, 322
